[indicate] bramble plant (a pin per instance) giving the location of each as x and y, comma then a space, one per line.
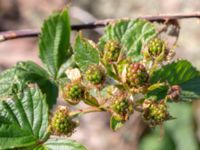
129, 69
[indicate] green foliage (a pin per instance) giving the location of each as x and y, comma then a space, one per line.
182, 127
85, 53
132, 34
154, 141
55, 42
182, 73
25, 119
176, 72
8, 80
116, 123
158, 93
69, 63
190, 89
90, 100
62, 144
23, 73
123, 72
178, 134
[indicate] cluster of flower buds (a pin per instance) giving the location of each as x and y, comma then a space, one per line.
156, 47
157, 50
61, 123
130, 78
73, 92
137, 75
95, 74
111, 51
155, 113
123, 108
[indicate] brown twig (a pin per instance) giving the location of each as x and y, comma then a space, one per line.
8, 35
88, 110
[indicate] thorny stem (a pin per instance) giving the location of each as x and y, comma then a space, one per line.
8, 35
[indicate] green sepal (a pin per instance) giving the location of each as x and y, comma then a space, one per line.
116, 122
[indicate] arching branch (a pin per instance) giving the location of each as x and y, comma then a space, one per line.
8, 35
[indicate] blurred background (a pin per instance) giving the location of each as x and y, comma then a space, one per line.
94, 132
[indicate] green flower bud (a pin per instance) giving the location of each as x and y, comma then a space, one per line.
123, 107
73, 92
95, 74
111, 51
155, 113
156, 46
61, 123
136, 75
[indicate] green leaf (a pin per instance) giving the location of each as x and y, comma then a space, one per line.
62, 144
154, 141
54, 42
132, 34
179, 134
191, 89
180, 73
69, 63
25, 120
175, 73
158, 93
91, 101
85, 53
8, 81
183, 126
110, 71
27, 72
35, 74
90, 98
115, 123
